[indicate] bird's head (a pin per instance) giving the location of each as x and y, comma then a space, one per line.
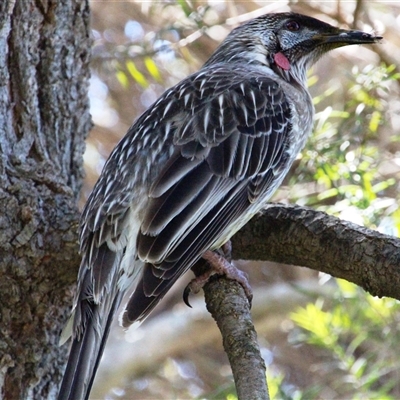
288, 43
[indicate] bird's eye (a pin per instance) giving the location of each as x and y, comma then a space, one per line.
293, 26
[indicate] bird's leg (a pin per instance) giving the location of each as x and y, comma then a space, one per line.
220, 265
226, 250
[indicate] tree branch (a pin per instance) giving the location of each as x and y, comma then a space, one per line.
227, 303
305, 237
301, 236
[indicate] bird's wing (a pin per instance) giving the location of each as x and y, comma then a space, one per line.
231, 151
188, 169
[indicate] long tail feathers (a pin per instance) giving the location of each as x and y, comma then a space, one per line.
86, 352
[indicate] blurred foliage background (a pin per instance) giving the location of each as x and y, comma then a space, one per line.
321, 338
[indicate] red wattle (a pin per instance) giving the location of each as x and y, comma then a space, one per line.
281, 61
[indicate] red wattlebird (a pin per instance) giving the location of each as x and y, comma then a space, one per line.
190, 172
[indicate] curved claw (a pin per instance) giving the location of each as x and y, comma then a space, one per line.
186, 294
220, 266
223, 267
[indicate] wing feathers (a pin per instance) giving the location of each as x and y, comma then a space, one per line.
176, 169
156, 248
202, 202
154, 285
105, 263
222, 158
190, 172
163, 209
228, 139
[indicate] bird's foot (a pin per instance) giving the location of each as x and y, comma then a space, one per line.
226, 251
221, 266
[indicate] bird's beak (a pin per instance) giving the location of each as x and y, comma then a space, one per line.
343, 37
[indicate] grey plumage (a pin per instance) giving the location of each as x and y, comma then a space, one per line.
191, 171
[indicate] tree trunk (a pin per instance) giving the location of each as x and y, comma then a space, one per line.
44, 119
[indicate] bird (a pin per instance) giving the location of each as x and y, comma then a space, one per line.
192, 170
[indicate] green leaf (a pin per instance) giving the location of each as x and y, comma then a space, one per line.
136, 74
122, 79
376, 117
152, 68
185, 5
348, 289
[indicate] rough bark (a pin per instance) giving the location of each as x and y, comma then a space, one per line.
305, 237
228, 305
226, 301
44, 119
